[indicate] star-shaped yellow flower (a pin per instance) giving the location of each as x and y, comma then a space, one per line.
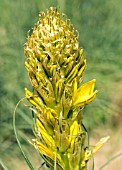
84, 94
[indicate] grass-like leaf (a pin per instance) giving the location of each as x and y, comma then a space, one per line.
3, 165
109, 161
15, 131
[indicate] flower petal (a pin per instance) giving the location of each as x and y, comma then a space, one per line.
89, 153
84, 94
100, 144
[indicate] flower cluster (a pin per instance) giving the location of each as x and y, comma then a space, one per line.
55, 64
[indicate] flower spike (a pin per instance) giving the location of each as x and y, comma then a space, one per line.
55, 64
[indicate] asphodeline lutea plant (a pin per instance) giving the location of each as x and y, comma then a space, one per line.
55, 64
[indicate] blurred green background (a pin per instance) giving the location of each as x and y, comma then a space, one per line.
100, 28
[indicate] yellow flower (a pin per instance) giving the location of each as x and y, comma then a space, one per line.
48, 154
84, 94
100, 144
88, 153
46, 138
74, 132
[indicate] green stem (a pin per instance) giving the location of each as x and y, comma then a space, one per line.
66, 161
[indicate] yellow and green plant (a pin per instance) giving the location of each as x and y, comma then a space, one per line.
55, 63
